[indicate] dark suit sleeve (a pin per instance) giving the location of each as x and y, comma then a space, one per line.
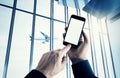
83, 70
35, 74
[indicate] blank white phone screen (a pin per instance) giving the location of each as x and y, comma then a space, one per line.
74, 30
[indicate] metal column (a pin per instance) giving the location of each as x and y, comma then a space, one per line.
103, 50
77, 7
32, 38
93, 53
51, 25
9, 40
111, 53
68, 69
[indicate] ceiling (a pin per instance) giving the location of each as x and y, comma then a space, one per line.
98, 8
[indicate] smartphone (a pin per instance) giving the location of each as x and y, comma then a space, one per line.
75, 27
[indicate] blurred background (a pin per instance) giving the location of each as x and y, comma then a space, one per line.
29, 28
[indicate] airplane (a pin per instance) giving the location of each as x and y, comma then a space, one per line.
45, 39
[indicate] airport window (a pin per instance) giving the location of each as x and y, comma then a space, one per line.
38, 26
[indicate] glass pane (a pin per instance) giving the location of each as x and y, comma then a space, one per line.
108, 56
89, 56
25, 5
58, 43
42, 39
95, 24
114, 30
20, 49
84, 14
103, 26
95, 28
5, 18
58, 34
58, 12
43, 7
7, 2
98, 51
71, 11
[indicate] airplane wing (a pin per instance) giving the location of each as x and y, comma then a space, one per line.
45, 35
39, 39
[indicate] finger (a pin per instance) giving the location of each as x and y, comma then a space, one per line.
85, 37
81, 34
57, 50
63, 63
43, 59
64, 50
64, 60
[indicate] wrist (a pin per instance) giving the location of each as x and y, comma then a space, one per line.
77, 60
46, 73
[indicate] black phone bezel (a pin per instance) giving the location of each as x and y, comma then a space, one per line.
77, 18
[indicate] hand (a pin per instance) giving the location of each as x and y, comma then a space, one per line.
79, 54
53, 62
